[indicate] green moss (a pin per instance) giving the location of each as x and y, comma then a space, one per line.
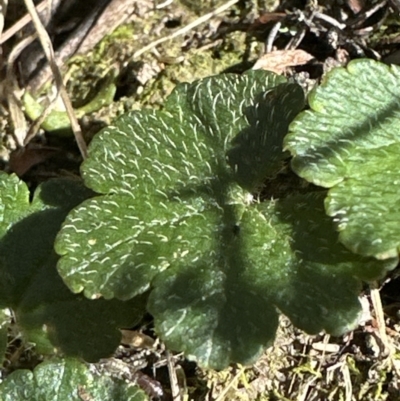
201, 7
169, 64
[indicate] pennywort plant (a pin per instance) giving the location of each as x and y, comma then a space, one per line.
174, 223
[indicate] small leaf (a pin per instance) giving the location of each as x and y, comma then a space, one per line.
349, 141
57, 121
65, 379
45, 308
13, 192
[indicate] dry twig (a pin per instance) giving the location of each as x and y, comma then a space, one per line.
176, 393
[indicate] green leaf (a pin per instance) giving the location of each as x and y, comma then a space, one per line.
45, 308
57, 121
176, 217
222, 307
349, 141
65, 379
181, 145
158, 168
257, 150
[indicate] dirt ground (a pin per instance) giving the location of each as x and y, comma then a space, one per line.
133, 58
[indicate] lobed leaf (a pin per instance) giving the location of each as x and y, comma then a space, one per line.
157, 169
46, 311
221, 306
65, 379
257, 150
176, 216
349, 141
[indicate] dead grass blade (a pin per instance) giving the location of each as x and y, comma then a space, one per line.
49, 53
3, 12
25, 20
13, 97
186, 28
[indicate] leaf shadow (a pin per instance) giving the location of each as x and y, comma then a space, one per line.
257, 150
232, 319
340, 144
44, 306
327, 278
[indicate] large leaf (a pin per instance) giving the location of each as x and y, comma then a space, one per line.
46, 310
159, 168
221, 307
177, 215
65, 379
349, 141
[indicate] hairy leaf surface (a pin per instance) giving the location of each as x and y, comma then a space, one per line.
177, 215
159, 169
47, 312
65, 379
349, 141
221, 307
